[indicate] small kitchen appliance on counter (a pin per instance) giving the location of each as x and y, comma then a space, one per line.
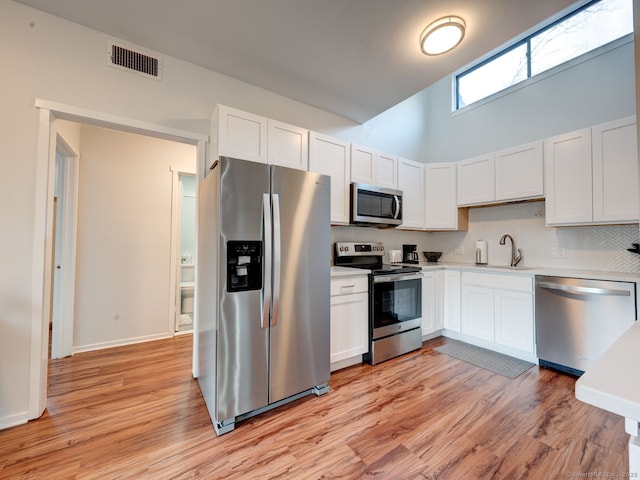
395, 300
410, 254
482, 254
395, 257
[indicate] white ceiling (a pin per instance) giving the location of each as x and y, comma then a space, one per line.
355, 58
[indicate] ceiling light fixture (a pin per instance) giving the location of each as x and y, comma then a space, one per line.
442, 35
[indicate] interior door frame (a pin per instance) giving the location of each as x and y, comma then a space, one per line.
42, 249
64, 278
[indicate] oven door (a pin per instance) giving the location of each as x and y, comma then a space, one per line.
396, 304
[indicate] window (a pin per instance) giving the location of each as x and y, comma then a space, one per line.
594, 24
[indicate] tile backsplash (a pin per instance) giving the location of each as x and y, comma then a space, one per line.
602, 248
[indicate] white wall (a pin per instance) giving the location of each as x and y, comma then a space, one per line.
49, 58
423, 127
123, 242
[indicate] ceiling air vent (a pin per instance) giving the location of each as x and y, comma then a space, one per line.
134, 59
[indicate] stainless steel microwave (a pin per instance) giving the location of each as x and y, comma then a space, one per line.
375, 206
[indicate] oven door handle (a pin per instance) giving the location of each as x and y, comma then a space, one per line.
396, 278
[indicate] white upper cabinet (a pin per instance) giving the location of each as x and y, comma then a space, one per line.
411, 182
373, 167
519, 172
476, 180
251, 137
386, 170
591, 175
615, 171
568, 178
287, 145
331, 156
239, 134
511, 174
363, 164
441, 209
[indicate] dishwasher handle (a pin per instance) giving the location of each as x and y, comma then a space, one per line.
584, 290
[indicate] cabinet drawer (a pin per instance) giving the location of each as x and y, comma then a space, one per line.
520, 283
347, 285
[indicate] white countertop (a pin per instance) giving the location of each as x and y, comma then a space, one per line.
520, 270
611, 383
339, 271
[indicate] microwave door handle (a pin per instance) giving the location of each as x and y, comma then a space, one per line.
396, 202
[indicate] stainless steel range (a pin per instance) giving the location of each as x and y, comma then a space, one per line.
395, 300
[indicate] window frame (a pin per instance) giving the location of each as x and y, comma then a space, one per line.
526, 39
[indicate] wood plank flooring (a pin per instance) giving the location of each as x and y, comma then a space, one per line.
135, 413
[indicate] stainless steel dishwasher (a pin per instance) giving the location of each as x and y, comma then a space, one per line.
577, 320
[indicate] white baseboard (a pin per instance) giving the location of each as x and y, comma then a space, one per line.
347, 362
13, 420
120, 343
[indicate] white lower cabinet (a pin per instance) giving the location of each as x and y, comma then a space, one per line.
498, 310
349, 318
429, 302
440, 301
514, 319
477, 311
451, 302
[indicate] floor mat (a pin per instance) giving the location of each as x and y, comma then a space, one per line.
499, 363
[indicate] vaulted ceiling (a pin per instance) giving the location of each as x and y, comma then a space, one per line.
355, 58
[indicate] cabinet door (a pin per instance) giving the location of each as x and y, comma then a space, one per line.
241, 134
441, 206
363, 164
568, 178
331, 156
438, 323
519, 172
349, 326
476, 180
477, 311
615, 171
288, 145
411, 182
386, 170
452, 314
514, 319
428, 302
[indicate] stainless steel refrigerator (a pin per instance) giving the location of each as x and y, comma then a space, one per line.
263, 288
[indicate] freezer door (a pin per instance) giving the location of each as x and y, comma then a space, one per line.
300, 317
242, 340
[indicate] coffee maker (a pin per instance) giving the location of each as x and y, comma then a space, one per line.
410, 254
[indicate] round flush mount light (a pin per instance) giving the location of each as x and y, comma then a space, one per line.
442, 35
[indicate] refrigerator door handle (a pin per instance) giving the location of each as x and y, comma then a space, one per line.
265, 304
277, 258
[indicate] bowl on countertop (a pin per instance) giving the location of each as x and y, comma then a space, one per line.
431, 256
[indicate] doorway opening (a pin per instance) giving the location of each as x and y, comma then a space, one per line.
43, 248
183, 241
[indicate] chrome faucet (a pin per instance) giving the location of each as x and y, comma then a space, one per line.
514, 260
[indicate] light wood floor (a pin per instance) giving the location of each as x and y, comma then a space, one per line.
135, 413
